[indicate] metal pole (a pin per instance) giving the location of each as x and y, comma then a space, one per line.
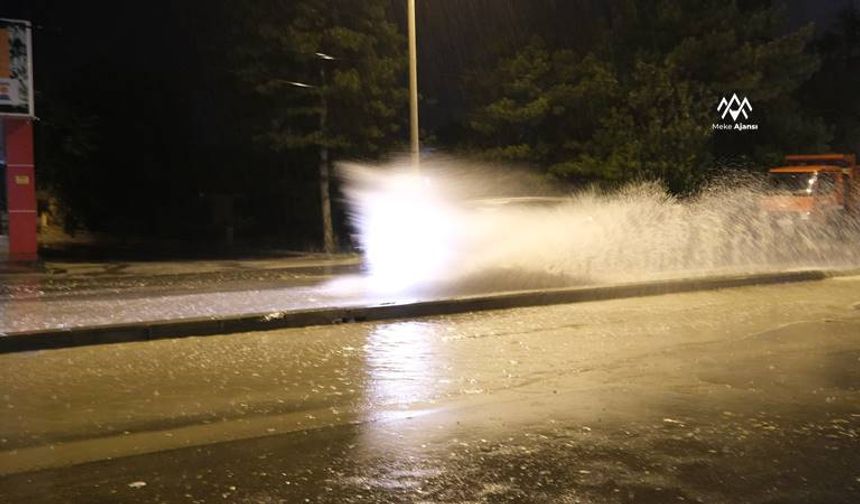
325, 195
414, 142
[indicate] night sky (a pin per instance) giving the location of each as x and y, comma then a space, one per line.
137, 41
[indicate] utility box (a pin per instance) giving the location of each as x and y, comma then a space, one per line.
18, 201
20, 189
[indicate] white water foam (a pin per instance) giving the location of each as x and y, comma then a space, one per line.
455, 227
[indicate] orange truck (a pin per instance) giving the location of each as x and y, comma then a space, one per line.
820, 189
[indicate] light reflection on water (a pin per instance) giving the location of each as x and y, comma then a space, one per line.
404, 365
400, 359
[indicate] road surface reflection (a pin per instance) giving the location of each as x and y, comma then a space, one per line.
400, 359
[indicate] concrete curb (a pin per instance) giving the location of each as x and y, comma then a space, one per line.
123, 333
842, 273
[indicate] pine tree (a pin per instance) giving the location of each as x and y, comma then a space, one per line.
329, 78
639, 102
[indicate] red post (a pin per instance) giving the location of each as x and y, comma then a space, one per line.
20, 189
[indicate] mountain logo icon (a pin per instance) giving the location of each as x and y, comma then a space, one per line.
734, 107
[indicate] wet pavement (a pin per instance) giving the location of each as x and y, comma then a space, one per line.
121, 294
109, 293
739, 395
136, 285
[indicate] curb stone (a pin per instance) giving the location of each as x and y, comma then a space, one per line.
181, 328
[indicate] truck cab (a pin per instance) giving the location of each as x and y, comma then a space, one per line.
813, 188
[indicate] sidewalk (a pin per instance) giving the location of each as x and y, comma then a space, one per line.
75, 269
64, 295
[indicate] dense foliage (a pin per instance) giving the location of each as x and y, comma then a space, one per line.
640, 100
284, 46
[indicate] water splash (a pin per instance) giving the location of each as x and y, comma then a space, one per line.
463, 228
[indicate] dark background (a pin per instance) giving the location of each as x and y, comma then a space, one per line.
145, 131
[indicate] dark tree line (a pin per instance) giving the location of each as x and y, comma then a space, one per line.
637, 99
181, 119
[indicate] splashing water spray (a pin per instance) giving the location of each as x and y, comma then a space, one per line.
459, 228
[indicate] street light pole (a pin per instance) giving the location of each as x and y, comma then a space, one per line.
414, 144
325, 193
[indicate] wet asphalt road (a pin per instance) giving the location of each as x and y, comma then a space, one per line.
741, 395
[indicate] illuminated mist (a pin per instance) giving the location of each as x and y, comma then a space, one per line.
460, 228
